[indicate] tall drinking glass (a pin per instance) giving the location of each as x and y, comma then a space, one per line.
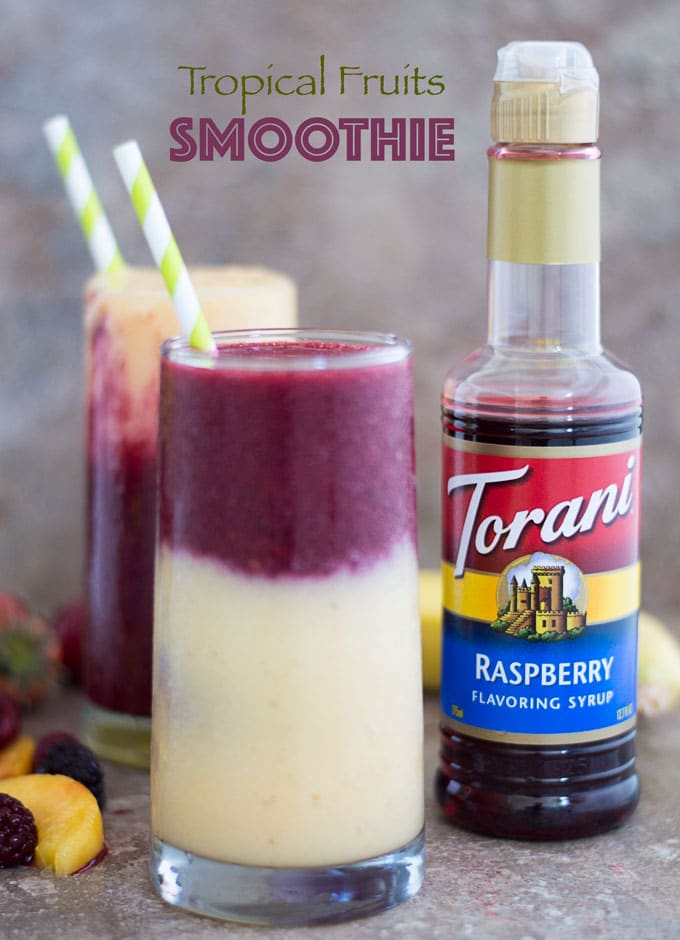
127, 316
287, 777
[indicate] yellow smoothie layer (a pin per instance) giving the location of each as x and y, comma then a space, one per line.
287, 717
135, 311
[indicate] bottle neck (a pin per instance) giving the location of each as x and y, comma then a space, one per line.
545, 308
544, 248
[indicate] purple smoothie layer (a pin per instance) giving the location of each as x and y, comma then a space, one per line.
121, 536
301, 472
122, 495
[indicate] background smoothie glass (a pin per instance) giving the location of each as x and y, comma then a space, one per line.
287, 778
127, 316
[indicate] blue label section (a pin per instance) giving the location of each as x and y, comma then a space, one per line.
506, 684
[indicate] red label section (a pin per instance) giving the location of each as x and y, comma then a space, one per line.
498, 507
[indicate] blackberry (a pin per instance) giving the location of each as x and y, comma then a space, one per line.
46, 743
74, 759
18, 832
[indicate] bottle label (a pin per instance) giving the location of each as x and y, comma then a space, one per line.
541, 590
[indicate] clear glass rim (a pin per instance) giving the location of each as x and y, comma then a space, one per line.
351, 349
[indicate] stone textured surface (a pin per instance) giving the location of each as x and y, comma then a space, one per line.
619, 886
388, 246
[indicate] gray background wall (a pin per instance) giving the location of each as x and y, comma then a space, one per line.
385, 246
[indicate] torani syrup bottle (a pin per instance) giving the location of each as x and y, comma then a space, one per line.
541, 490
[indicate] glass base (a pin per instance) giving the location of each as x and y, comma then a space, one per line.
125, 739
287, 896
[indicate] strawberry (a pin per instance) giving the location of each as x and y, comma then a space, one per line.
11, 607
30, 653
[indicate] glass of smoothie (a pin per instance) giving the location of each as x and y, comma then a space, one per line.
286, 772
127, 316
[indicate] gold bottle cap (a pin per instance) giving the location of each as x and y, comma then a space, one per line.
545, 93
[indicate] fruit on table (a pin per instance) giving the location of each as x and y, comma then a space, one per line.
16, 758
10, 719
30, 653
658, 650
45, 743
658, 666
75, 760
11, 606
70, 828
18, 832
431, 626
16, 750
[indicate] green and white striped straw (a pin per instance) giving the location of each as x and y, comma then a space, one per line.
163, 246
82, 194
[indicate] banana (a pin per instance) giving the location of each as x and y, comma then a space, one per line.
658, 666
431, 627
658, 651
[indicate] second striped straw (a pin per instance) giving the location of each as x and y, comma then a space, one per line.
163, 246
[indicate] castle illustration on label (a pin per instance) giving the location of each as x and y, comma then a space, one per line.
536, 608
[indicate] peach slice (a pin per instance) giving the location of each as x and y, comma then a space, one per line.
70, 828
16, 758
